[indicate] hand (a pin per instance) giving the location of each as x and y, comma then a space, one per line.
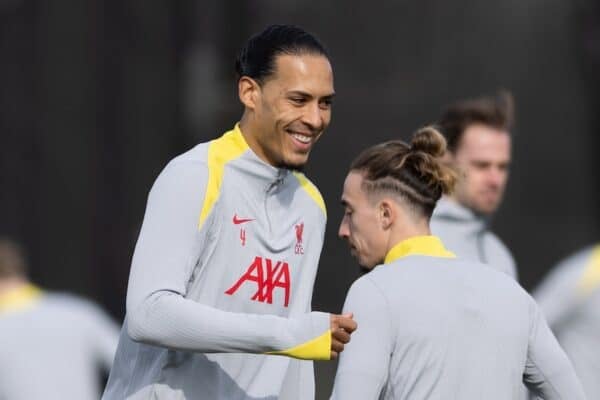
341, 328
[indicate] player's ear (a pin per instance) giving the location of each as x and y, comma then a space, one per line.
387, 214
248, 91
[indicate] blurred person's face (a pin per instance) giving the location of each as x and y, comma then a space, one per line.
292, 108
483, 159
361, 226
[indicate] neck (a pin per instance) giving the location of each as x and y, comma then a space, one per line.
9, 284
405, 231
250, 132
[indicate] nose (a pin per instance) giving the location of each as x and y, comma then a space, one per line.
496, 177
313, 116
343, 231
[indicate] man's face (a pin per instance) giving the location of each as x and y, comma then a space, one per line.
360, 225
294, 108
483, 159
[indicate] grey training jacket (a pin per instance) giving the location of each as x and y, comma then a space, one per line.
223, 274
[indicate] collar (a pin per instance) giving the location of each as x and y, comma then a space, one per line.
418, 245
19, 298
451, 211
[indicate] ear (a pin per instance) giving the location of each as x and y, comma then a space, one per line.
248, 91
387, 213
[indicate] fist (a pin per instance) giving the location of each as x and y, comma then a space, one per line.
341, 327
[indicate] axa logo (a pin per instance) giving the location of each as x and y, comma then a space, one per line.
299, 231
267, 278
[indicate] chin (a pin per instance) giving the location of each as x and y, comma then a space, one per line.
295, 163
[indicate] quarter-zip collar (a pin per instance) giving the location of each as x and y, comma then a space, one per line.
428, 245
451, 211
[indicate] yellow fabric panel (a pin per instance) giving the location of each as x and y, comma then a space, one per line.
418, 245
19, 298
318, 348
220, 151
312, 190
591, 274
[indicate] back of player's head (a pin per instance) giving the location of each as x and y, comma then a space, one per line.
414, 172
257, 58
12, 260
496, 112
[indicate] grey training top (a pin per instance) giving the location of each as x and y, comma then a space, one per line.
224, 266
467, 235
570, 300
53, 347
439, 328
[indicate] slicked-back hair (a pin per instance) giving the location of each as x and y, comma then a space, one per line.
413, 172
257, 58
496, 112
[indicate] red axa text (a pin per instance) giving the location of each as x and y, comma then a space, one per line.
267, 278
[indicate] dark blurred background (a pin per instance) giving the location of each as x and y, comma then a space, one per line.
96, 96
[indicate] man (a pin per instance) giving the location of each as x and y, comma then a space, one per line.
432, 326
569, 297
223, 271
479, 148
52, 346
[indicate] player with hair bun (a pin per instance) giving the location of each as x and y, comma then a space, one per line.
432, 326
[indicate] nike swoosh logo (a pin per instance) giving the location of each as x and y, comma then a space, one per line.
238, 221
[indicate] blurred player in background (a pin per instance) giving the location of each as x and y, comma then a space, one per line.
479, 148
222, 276
52, 346
432, 326
570, 300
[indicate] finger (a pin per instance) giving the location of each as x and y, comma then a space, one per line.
348, 324
337, 346
341, 335
333, 355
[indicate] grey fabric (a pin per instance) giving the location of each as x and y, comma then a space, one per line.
573, 313
467, 235
435, 328
185, 337
54, 349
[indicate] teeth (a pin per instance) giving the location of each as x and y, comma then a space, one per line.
301, 138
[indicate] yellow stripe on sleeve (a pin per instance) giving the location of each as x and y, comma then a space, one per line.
312, 190
220, 151
318, 348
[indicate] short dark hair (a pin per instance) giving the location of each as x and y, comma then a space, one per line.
414, 172
257, 58
495, 111
13, 263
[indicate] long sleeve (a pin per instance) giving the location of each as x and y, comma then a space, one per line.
363, 367
560, 293
548, 371
168, 248
104, 334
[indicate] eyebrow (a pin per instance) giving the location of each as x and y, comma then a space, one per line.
305, 94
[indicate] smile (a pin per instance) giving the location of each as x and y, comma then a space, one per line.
301, 138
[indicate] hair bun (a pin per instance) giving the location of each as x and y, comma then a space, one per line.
429, 140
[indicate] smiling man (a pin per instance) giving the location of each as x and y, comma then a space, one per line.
219, 297
479, 147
